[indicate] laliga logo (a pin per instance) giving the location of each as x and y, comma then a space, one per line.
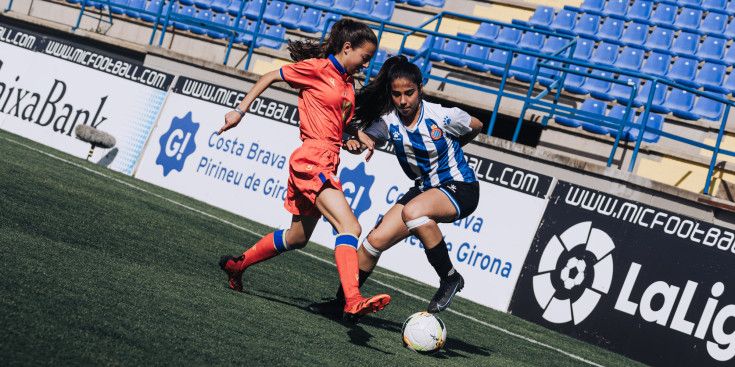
575, 269
177, 144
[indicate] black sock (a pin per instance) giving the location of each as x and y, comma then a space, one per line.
439, 258
363, 277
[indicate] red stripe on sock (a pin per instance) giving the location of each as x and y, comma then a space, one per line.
347, 266
261, 251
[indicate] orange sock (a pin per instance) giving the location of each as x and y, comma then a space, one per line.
345, 254
268, 247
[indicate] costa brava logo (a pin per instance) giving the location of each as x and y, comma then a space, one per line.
575, 270
177, 144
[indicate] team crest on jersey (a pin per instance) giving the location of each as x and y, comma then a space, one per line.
436, 132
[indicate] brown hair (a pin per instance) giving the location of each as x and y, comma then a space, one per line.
344, 30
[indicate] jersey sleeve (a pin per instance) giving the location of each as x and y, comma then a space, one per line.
457, 121
379, 130
301, 74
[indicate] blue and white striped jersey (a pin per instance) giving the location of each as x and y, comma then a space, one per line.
429, 153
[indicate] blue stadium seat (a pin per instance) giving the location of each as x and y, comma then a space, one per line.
611, 30
729, 57
592, 6
523, 67
714, 5
384, 9
709, 109
641, 11
234, 6
136, 6
416, 2
275, 31
222, 19
680, 102
457, 47
622, 92
711, 77
202, 4
606, 54
245, 38
292, 16
532, 41
487, 32
499, 58
656, 64
153, 8
542, 17
617, 112
274, 12
659, 96
655, 122
729, 84
564, 21
599, 88
310, 21
635, 34
712, 49
116, 9
660, 40
436, 3
730, 8
591, 107
574, 83
714, 24
204, 15
584, 49
252, 11
554, 44
688, 20
219, 6
689, 3
587, 26
683, 71
324, 3
509, 36
363, 7
345, 5
188, 11
437, 45
664, 15
730, 30
630, 58
480, 52
420, 63
546, 76
378, 61
685, 44
617, 8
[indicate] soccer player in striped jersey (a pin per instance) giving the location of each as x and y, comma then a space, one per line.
428, 139
323, 74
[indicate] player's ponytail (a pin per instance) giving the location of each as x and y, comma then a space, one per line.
343, 31
373, 100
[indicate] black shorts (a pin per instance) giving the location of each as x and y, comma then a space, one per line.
463, 195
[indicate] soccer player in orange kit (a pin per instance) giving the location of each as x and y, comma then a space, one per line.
323, 74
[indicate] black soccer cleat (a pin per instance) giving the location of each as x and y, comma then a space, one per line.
331, 309
444, 295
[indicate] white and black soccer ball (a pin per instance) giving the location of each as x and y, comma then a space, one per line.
424, 333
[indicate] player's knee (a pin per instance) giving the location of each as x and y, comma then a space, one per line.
412, 212
377, 241
352, 228
296, 241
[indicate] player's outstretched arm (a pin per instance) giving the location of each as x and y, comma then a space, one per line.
234, 117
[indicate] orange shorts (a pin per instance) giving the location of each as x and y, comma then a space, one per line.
311, 167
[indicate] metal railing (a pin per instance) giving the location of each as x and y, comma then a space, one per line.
561, 61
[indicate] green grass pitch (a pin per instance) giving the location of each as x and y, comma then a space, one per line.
99, 268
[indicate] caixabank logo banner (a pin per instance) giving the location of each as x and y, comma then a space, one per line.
644, 282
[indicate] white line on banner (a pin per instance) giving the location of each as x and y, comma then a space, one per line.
468, 317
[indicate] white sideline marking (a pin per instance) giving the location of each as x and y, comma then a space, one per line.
468, 317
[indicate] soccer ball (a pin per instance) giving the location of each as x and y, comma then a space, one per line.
424, 333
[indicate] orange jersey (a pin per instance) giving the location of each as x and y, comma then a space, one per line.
326, 97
